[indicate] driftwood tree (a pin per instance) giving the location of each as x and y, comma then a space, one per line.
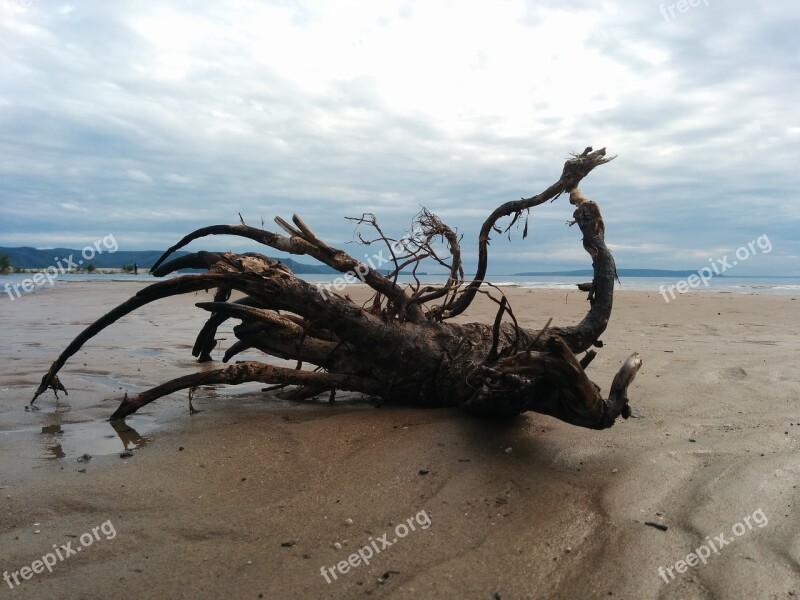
401, 345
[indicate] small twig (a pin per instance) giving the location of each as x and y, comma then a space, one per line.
491, 358
539, 335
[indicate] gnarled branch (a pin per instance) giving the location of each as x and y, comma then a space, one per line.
403, 349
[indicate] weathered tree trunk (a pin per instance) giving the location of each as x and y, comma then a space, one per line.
398, 347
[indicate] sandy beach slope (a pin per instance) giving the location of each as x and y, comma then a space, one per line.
253, 496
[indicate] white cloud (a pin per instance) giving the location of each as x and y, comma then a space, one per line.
138, 176
182, 115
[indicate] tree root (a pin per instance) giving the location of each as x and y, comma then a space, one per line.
398, 347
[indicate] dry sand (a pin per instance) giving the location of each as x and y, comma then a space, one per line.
248, 498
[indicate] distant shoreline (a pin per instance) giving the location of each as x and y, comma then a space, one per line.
644, 273
762, 286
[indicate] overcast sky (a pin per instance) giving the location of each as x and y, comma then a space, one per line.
147, 120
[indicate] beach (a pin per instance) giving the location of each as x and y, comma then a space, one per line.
257, 497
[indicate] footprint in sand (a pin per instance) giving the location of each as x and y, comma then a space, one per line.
733, 373
726, 375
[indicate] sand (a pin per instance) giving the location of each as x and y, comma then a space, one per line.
253, 496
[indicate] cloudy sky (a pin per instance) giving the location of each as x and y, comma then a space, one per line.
147, 120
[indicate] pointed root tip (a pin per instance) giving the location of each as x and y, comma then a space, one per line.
634, 361
618, 397
40, 390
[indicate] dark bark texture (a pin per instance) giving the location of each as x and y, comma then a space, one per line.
401, 345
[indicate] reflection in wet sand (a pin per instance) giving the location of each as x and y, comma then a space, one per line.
55, 450
93, 438
129, 436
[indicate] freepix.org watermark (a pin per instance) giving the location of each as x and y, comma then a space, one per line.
718, 267
62, 266
374, 262
703, 552
60, 552
376, 546
681, 6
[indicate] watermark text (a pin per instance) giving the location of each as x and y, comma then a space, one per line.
681, 6
62, 266
703, 552
718, 267
362, 270
60, 552
376, 546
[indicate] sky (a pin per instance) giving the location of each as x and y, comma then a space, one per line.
147, 120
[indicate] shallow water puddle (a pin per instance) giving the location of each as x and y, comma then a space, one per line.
95, 438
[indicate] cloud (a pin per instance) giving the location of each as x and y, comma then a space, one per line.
156, 119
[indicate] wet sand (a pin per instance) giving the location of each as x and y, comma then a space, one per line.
249, 498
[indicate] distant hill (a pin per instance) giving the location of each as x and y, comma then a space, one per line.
304, 269
620, 272
33, 258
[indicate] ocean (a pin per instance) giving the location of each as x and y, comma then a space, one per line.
11, 284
